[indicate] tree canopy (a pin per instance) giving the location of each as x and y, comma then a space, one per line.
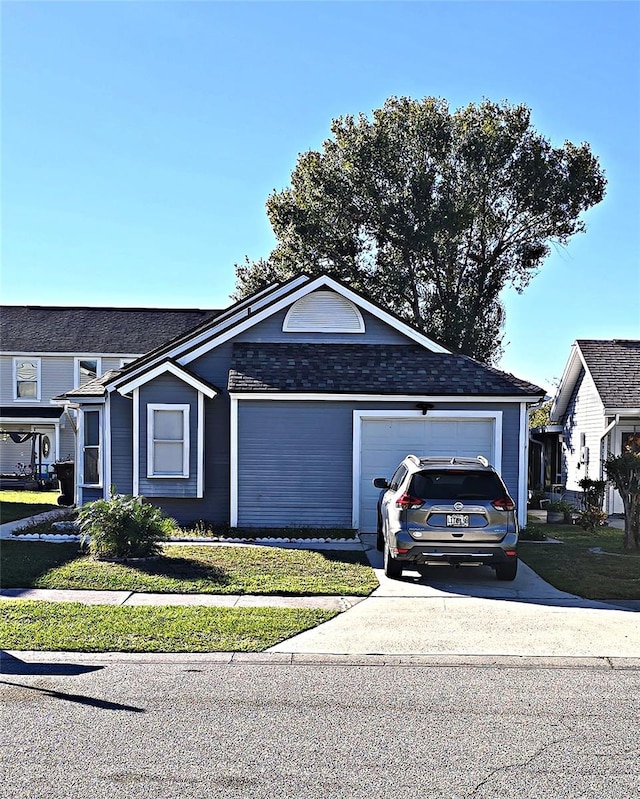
431, 213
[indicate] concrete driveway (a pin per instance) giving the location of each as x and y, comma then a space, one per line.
469, 612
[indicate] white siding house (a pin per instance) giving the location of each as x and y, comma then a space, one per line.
598, 406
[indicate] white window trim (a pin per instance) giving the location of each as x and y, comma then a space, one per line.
38, 364
76, 367
185, 408
81, 481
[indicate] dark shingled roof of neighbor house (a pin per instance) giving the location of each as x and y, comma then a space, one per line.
615, 368
135, 331
366, 369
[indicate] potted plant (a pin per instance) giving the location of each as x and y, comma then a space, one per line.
558, 511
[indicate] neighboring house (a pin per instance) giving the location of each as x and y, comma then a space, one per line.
281, 410
48, 350
598, 406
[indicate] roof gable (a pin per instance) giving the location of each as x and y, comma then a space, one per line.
168, 367
251, 311
614, 368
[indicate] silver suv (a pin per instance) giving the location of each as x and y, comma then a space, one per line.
454, 511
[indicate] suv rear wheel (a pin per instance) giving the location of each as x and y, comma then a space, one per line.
507, 571
392, 566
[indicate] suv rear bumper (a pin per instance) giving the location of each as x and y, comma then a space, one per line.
472, 553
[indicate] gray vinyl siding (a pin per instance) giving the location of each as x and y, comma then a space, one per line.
121, 409
213, 367
376, 332
57, 375
67, 440
169, 389
91, 494
584, 415
295, 459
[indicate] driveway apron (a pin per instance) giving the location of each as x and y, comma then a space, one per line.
467, 611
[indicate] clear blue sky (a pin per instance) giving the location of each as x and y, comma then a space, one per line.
140, 140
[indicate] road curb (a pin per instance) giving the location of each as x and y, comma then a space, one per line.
13, 659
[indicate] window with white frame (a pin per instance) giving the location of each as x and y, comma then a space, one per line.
91, 447
26, 379
87, 369
167, 440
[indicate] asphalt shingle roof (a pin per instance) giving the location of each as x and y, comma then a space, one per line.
33, 329
366, 368
615, 368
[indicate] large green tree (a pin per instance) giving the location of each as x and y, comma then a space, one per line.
430, 212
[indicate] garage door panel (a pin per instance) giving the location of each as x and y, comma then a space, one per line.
384, 443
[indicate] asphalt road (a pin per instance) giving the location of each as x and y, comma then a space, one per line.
233, 731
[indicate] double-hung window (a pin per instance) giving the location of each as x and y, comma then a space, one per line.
91, 448
26, 379
167, 440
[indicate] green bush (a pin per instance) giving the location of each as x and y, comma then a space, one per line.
559, 506
124, 527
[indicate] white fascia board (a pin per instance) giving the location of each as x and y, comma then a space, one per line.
245, 311
408, 331
567, 382
74, 354
292, 297
378, 398
78, 399
248, 312
622, 412
48, 420
161, 369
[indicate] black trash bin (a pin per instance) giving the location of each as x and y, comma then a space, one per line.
65, 472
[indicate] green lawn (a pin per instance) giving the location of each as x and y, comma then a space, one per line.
63, 626
22, 504
69, 626
572, 567
190, 569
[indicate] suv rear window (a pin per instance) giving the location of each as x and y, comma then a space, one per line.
458, 484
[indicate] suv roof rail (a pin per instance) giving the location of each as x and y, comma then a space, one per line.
455, 459
414, 459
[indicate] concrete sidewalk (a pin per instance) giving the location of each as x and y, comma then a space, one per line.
135, 599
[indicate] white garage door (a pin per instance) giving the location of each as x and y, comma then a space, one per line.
385, 442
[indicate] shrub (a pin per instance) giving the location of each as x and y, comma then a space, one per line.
124, 527
591, 517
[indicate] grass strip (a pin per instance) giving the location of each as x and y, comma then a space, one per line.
191, 569
16, 505
573, 566
72, 627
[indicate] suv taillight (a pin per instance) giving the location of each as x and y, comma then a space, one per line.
407, 502
504, 503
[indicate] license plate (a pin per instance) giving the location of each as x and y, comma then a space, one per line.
457, 520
